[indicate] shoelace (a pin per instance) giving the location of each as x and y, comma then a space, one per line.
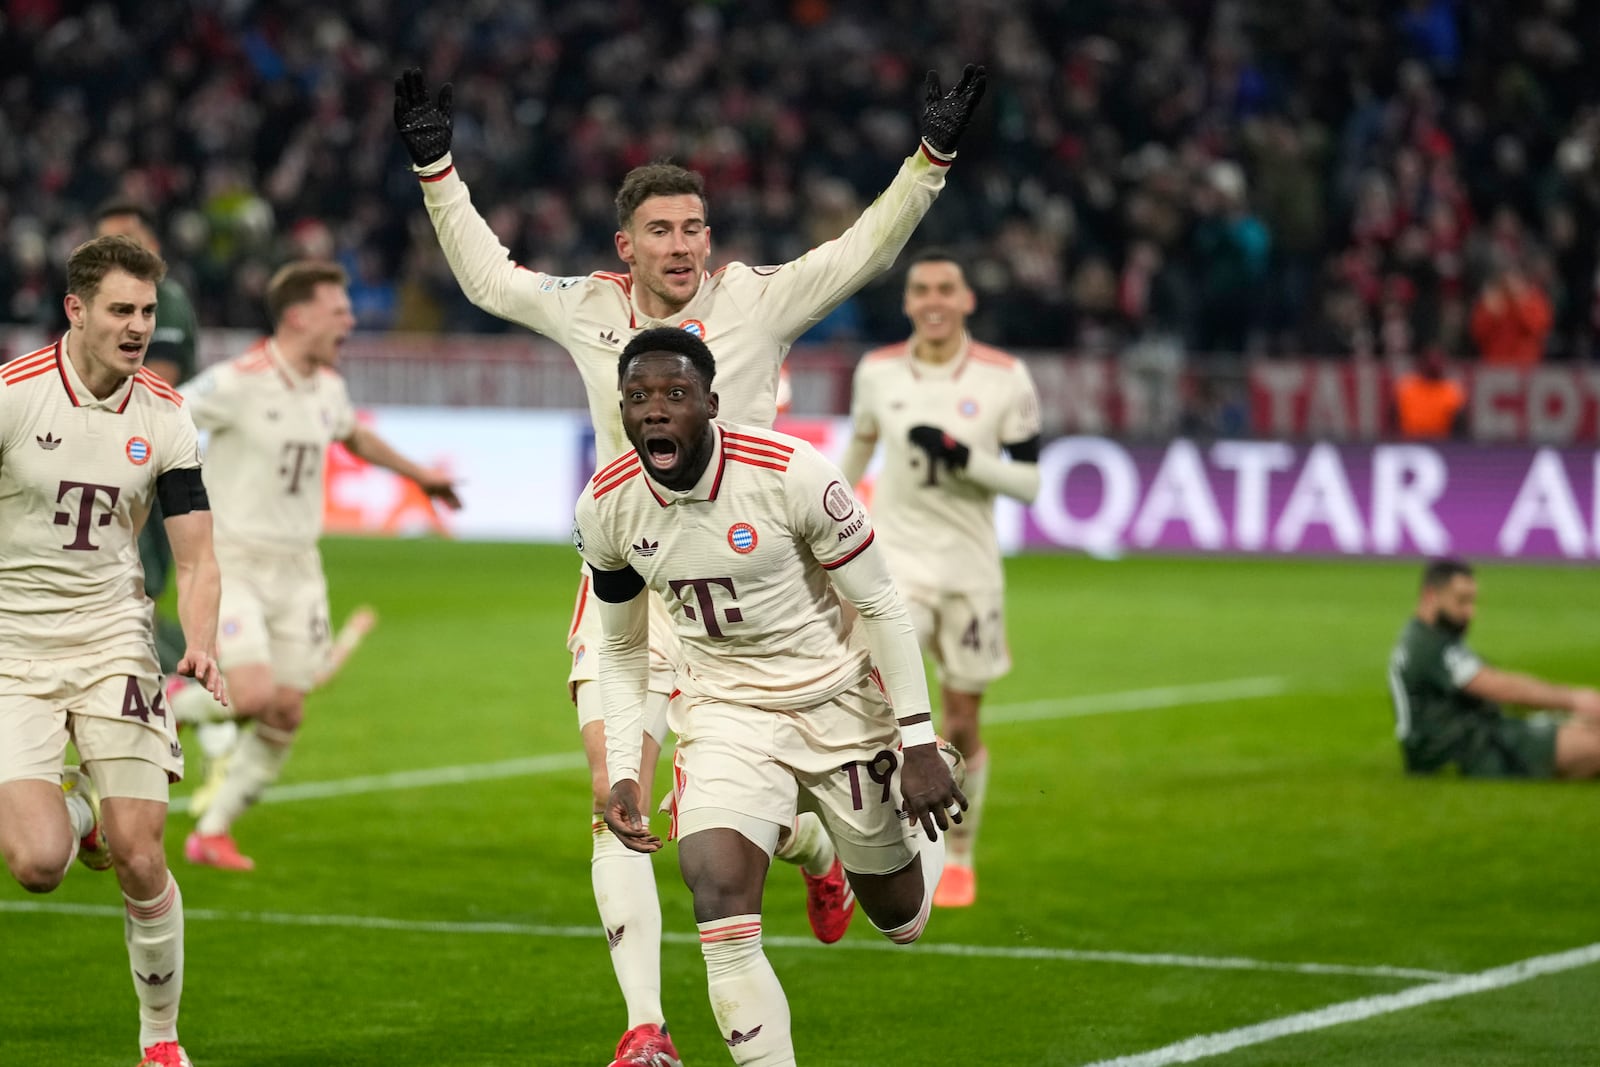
163, 1054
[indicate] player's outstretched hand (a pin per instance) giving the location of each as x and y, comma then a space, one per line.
202, 667
940, 446
930, 794
945, 115
440, 486
424, 123
1586, 704
622, 815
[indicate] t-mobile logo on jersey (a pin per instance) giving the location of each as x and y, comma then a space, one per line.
88, 493
707, 603
299, 463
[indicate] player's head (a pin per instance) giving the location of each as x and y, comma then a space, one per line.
111, 301
1449, 595
662, 233
127, 217
937, 297
310, 307
664, 376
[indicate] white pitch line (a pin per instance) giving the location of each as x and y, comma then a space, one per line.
584, 933
1166, 696
1207, 1045
383, 783
1095, 704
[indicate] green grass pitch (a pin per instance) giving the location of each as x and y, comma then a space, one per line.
457, 925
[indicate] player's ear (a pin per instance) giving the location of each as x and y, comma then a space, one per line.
711, 405
75, 309
624, 247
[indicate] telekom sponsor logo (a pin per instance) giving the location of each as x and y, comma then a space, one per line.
1273, 497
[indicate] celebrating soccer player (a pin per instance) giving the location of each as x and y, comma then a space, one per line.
753, 315
272, 414
949, 412
751, 537
89, 440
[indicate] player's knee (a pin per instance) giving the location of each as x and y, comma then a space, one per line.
39, 870
140, 865
287, 713
250, 702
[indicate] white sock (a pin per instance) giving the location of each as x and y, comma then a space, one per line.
154, 932
751, 1010
255, 765
625, 893
931, 855
807, 845
964, 837
81, 815
193, 703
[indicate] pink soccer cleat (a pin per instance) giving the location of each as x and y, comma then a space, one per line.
958, 888
646, 1046
216, 850
165, 1054
830, 903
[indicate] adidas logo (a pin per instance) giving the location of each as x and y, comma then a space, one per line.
163, 979
615, 936
738, 1039
646, 547
609, 338
47, 442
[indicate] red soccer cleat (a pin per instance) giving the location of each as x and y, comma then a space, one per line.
646, 1046
830, 903
165, 1054
958, 888
216, 850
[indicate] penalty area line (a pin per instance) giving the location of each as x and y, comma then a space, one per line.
1349, 1011
1154, 699
1011, 952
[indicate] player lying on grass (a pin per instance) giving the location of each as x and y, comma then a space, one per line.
752, 538
1447, 700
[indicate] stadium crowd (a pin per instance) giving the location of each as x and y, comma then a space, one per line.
1330, 178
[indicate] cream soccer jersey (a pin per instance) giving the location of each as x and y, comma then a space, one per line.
937, 528
741, 561
269, 434
77, 479
750, 316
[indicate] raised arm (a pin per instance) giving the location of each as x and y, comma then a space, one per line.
483, 267
800, 293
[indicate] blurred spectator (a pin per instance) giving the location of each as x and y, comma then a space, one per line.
1511, 320
1429, 405
1230, 247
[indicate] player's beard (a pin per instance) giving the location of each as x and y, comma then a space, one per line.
1453, 626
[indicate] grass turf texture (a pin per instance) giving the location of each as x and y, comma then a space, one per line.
1277, 828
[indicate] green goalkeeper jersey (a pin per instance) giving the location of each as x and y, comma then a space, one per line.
1434, 716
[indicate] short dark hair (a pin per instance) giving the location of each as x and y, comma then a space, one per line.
1440, 572
656, 179
297, 282
935, 255
110, 209
91, 261
670, 339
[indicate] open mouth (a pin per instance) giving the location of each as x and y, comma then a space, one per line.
680, 273
662, 452
131, 348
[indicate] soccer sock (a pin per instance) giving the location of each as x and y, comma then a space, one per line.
807, 845
154, 932
751, 1010
82, 818
255, 765
964, 837
931, 855
625, 893
193, 703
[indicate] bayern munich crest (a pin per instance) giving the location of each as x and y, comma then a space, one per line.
138, 451
968, 407
694, 326
742, 538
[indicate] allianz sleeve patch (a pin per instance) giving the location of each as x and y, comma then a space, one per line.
838, 501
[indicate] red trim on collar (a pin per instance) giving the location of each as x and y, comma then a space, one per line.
61, 356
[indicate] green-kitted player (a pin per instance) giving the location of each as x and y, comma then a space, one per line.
171, 356
1447, 701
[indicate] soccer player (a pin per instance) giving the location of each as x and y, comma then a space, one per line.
752, 538
88, 440
753, 315
1447, 700
171, 357
271, 414
948, 411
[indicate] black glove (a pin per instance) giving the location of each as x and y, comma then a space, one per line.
424, 124
940, 446
945, 115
